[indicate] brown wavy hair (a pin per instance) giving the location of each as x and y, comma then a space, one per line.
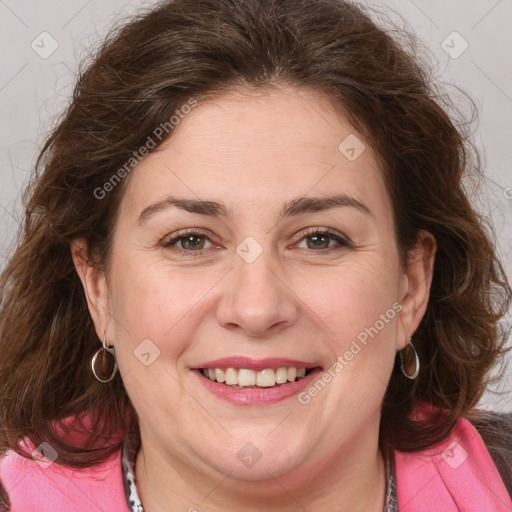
143, 72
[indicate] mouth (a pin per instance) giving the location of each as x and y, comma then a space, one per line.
256, 383
244, 378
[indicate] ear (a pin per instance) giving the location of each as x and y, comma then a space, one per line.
415, 289
95, 286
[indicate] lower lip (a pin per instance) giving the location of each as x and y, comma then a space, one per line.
261, 396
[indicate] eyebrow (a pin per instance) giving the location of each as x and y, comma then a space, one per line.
291, 208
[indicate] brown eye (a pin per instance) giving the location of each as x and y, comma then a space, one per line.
318, 240
189, 242
192, 242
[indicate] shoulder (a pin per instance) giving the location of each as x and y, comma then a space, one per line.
495, 429
465, 470
30, 485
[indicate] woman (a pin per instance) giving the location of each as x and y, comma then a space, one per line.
250, 279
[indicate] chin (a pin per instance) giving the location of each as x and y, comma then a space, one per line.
259, 459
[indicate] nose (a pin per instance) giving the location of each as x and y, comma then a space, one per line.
257, 300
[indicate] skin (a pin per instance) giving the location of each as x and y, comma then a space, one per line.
254, 152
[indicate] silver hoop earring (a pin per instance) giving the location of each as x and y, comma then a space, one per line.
104, 364
417, 362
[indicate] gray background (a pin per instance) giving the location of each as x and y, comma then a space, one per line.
41, 44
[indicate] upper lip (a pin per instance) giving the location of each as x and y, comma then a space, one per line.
255, 364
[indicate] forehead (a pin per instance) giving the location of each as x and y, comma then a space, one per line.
259, 147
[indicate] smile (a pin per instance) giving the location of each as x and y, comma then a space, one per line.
246, 378
246, 381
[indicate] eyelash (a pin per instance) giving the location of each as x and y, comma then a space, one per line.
343, 242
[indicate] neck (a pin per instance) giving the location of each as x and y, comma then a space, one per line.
351, 480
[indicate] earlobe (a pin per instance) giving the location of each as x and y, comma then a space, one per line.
416, 289
94, 283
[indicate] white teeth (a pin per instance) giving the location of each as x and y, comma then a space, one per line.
231, 377
292, 374
281, 375
266, 378
246, 377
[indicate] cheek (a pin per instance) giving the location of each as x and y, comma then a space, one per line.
354, 297
154, 302
151, 314
147, 305
359, 307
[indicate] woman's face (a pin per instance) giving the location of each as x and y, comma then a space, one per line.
255, 245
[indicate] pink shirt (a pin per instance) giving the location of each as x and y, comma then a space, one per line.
35, 488
456, 475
